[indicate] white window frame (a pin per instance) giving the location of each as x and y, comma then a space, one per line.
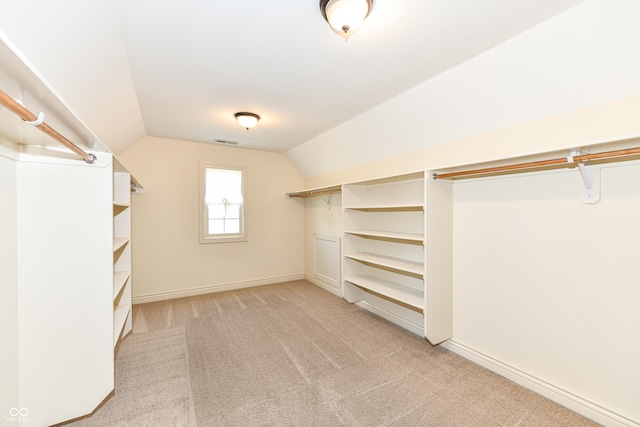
205, 237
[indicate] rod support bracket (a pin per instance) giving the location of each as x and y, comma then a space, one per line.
38, 121
92, 159
590, 178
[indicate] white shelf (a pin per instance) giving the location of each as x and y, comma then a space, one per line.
119, 280
316, 191
388, 235
404, 294
119, 319
384, 207
400, 264
119, 242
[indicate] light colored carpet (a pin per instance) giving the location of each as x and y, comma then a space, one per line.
293, 354
152, 384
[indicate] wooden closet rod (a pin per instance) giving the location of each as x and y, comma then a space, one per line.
26, 115
319, 192
531, 165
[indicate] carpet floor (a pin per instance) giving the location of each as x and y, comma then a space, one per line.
293, 354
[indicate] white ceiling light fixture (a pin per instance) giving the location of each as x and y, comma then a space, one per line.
247, 120
345, 16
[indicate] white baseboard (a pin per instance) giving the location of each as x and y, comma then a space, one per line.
330, 287
589, 409
161, 296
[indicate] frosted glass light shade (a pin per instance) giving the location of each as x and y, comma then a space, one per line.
345, 16
247, 120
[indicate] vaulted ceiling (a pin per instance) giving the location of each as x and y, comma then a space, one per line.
182, 69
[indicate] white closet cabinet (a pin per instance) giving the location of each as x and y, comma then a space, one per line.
397, 250
65, 287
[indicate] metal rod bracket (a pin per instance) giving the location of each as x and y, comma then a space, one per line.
92, 158
590, 179
38, 121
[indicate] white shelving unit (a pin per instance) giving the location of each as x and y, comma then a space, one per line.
388, 236
122, 319
66, 239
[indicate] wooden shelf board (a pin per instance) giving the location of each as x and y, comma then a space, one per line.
390, 262
393, 290
388, 235
118, 209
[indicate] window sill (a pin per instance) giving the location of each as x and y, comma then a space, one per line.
229, 239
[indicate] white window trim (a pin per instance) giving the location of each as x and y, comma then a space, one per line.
204, 238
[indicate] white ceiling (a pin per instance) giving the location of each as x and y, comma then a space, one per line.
195, 63
130, 68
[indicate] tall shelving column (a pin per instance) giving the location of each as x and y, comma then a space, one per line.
397, 252
383, 242
438, 312
122, 317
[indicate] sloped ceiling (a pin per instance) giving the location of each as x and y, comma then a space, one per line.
585, 57
180, 70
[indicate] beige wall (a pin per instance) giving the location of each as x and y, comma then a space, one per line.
169, 261
601, 124
548, 285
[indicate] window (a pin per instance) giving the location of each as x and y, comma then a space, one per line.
222, 205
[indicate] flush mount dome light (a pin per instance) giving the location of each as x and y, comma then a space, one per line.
247, 120
345, 16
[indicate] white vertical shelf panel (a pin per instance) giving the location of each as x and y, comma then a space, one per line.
122, 323
9, 362
438, 319
65, 288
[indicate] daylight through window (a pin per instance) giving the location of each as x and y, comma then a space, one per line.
222, 204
